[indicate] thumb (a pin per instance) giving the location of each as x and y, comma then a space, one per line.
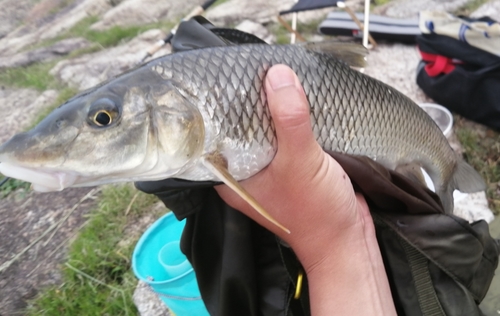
290, 112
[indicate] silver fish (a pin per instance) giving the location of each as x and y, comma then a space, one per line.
202, 115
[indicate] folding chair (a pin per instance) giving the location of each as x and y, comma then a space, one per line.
306, 5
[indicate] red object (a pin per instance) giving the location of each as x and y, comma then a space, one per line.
437, 64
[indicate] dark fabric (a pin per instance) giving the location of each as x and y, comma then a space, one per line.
238, 264
450, 47
471, 88
466, 252
243, 269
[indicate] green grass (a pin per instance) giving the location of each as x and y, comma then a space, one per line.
376, 3
13, 185
307, 30
106, 38
35, 76
216, 3
281, 34
482, 151
97, 276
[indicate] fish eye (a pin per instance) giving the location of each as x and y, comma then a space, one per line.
103, 112
102, 118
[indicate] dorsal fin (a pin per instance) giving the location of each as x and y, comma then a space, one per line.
352, 54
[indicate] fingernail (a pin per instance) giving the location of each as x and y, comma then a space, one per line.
281, 77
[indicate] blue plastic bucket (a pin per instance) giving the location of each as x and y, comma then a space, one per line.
158, 261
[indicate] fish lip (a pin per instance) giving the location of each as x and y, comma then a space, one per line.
42, 180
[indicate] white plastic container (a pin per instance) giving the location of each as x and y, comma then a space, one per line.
440, 115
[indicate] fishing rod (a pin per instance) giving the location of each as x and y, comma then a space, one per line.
196, 11
4, 180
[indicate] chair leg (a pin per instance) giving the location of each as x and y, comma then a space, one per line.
356, 20
289, 29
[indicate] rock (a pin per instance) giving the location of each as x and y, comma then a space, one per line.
135, 12
12, 14
44, 54
256, 29
147, 302
261, 11
88, 70
44, 10
491, 9
396, 65
264, 12
33, 33
19, 107
472, 207
411, 8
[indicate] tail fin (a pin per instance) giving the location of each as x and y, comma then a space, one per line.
464, 179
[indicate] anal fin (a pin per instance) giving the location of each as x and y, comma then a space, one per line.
218, 166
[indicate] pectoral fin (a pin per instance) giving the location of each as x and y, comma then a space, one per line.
218, 166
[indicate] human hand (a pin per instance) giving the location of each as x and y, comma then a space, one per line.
307, 191
304, 188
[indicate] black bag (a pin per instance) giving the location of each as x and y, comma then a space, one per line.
461, 77
437, 264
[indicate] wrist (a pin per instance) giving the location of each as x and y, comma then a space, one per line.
351, 278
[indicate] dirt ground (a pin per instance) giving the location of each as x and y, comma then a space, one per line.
34, 233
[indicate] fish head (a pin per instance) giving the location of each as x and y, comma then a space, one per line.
135, 127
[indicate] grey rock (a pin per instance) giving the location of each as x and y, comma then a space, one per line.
234, 11
148, 303
19, 107
33, 33
256, 29
396, 65
66, 46
411, 8
12, 14
135, 12
491, 9
44, 54
88, 70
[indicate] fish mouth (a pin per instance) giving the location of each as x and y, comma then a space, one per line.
42, 180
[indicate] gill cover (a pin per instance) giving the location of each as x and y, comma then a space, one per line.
177, 128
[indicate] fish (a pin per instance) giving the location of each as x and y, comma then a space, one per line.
202, 115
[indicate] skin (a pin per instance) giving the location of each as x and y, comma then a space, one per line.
307, 191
